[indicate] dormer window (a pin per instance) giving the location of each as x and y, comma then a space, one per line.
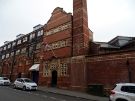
19, 42
40, 33
14, 43
25, 39
32, 36
9, 46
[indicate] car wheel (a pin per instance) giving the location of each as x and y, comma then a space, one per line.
24, 88
121, 100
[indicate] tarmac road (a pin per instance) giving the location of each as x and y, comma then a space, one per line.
10, 94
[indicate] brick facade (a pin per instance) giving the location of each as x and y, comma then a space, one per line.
67, 54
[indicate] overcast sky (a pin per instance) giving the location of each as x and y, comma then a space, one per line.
107, 18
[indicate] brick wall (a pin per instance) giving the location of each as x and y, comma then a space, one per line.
110, 69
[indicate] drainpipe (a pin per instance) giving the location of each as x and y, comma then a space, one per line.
129, 71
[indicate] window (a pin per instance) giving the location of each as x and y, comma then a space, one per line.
53, 66
46, 71
30, 51
40, 33
63, 67
3, 56
129, 89
19, 42
12, 53
17, 52
38, 46
32, 36
25, 39
0, 49
9, 46
23, 50
14, 43
4, 48
7, 55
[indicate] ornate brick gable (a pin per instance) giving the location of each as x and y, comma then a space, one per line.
58, 17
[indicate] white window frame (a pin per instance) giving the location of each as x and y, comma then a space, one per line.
32, 36
9, 45
25, 39
7, 55
19, 42
23, 50
14, 43
3, 56
12, 53
17, 52
4, 48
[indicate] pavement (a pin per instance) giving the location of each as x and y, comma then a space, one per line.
72, 93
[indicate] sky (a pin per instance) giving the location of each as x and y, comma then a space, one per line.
106, 18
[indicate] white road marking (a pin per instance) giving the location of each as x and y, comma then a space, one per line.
53, 98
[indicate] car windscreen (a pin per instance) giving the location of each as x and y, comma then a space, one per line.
5, 78
28, 80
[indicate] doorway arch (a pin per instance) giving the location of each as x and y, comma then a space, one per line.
54, 78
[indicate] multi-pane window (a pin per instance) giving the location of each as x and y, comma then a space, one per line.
7, 55
32, 36
38, 46
40, 33
25, 39
17, 52
46, 69
14, 43
19, 42
4, 48
63, 67
9, 46
0, 49
23, 50
30, 50
12, 53
3, 56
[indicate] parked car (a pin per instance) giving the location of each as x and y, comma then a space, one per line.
123, 92
4, 81
25, 84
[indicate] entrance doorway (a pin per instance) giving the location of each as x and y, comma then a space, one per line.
35, 76
54, 78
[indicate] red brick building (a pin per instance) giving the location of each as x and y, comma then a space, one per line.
62, 53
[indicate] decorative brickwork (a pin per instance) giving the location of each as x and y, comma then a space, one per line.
81, 33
